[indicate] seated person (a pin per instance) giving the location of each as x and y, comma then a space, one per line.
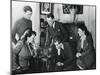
63, 55
85, 50
24, 50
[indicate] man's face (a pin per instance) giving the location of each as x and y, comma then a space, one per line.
50, 21
28, 15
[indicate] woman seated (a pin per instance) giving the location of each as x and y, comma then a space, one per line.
24, 50
85, 51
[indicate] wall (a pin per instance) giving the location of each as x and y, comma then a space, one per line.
90, 20
17, 12
88, 17
58, 14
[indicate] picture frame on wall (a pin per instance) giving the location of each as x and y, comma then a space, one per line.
68, 7
45, 8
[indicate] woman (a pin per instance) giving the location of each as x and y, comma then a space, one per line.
24, 50
86, 54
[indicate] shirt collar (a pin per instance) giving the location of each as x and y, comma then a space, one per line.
83, 37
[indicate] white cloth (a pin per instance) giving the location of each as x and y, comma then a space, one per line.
82, 40
58, 51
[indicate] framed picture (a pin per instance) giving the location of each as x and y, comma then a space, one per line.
45, 8
68, 7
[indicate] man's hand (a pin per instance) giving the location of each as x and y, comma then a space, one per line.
59, 64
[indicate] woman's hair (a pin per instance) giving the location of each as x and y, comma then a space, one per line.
83, 28
28, 33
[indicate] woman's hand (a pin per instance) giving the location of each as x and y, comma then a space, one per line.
78, 55
59, 64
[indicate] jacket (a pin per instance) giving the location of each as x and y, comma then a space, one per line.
51, 33
88, 57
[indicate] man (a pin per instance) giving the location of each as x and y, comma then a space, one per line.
63, 55
22, 24
54, 29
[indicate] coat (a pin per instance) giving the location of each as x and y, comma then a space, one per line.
88, 58
19, 28
51, 33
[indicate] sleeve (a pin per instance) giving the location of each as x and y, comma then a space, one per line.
78, 46
18, 47
47, 37
14, 31
89, 46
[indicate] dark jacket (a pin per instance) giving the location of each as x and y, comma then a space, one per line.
88, 57
51, 33
66, 55
19, 27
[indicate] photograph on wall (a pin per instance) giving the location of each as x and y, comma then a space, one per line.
45, 8
68, 7
54, 42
